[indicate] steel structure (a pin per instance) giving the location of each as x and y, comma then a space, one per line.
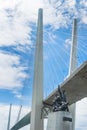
75, 85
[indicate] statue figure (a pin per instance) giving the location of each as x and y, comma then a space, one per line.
60, 101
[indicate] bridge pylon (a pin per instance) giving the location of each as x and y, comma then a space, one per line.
59, 116
37, 96
73, 65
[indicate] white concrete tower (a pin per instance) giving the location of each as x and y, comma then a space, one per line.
19, 113
73, 65
9, 117
73, 55
37, 97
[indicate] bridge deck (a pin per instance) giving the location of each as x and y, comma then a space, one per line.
23, 122
75, 86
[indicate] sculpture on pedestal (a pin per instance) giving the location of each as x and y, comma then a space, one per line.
60, 101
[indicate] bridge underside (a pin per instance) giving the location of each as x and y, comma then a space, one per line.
75, 87
23, 122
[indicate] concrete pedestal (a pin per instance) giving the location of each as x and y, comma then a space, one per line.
59, 121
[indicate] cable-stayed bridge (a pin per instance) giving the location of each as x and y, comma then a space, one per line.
74, 84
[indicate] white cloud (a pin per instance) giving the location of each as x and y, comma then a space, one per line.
84, 19
10, 71
67, 43
13, 24
15, 31
83, 2
20, 95
16, 14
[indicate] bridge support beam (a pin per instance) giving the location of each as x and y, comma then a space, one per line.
37, 97
59, 121
73, 65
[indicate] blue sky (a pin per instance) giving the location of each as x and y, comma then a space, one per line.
18, 23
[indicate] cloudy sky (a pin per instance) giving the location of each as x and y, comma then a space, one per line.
18, 23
